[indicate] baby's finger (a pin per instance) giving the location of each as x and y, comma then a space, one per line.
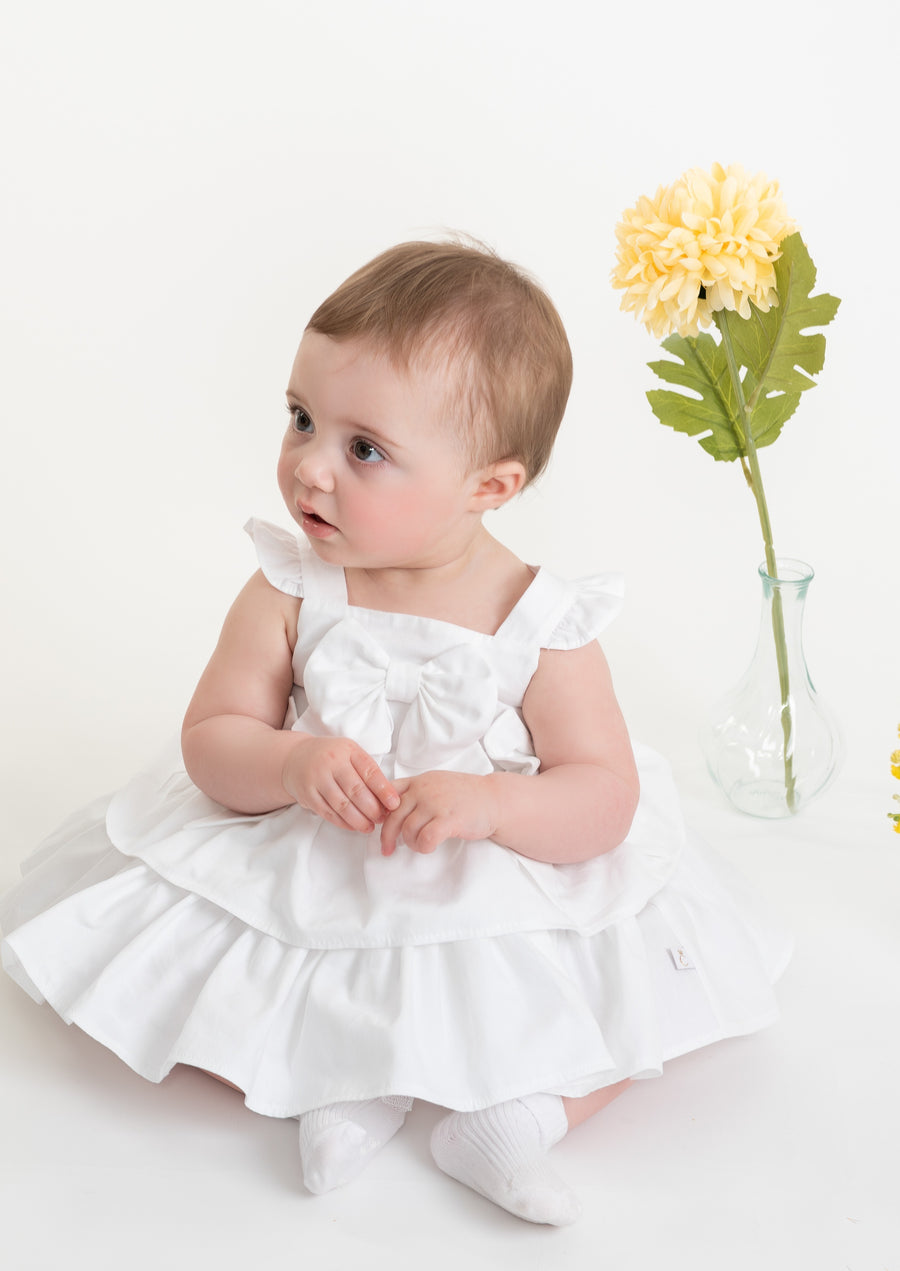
324, 810
357, 793
392, 829
376, 781
414, 826
427, 836
342, 810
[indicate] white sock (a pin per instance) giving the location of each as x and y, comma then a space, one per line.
501, 1153
338, 1141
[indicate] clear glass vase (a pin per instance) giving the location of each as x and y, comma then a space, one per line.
770, 744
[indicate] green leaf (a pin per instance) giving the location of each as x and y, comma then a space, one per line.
770, 416
704, 370
776, 362
773, 347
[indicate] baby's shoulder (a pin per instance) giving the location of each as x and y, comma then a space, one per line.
260, 607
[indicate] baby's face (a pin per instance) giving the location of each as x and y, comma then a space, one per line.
371, 467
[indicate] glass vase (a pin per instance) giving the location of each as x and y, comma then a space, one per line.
770, 744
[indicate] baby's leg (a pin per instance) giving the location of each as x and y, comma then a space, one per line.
338, 1141
578, 1110
501, 1152
225, 1082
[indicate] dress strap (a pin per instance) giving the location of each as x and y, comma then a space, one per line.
325, 585
557, 614
538, 612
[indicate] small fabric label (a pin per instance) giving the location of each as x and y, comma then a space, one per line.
680, 959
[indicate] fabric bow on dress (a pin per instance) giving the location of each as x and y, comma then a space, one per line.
350, 682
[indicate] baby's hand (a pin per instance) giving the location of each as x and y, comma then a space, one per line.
337, 780
436, 806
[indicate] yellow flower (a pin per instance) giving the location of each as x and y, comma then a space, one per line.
895, 764
705, 243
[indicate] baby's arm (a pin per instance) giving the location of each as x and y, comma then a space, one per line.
232, 740
579, 805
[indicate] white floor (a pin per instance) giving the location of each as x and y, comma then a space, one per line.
777, 1152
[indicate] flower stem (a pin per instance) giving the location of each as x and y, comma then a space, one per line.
753, 476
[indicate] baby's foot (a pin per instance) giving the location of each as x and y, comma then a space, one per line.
338, 1141
501, 1153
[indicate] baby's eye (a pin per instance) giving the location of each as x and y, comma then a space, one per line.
364, 452
300, 420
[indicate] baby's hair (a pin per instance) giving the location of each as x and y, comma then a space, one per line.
487, 318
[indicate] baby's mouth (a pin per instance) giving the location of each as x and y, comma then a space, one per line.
315, 524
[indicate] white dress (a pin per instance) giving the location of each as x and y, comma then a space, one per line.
293, 959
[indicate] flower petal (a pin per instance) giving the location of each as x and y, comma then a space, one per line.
720, 227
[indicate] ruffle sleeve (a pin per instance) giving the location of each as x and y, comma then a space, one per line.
594, 603
279, 555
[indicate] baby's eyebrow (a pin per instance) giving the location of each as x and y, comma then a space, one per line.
375, 434
371, 432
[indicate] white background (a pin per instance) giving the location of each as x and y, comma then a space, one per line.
183, 182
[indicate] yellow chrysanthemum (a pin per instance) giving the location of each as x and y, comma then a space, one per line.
705, 243
895, 764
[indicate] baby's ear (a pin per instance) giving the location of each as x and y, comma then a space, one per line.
498, 483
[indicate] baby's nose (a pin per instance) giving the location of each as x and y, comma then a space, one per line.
313, 469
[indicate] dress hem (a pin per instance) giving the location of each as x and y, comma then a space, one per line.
567, 1085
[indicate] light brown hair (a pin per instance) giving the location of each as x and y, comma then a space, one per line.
487, 318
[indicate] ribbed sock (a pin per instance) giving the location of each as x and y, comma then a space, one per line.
501, 1153
338, 1141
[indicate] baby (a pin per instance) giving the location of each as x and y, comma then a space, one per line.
403, 851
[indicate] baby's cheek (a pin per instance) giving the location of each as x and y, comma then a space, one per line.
401, 518
426, 507
285, 476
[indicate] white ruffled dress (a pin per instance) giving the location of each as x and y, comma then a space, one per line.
293, 959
